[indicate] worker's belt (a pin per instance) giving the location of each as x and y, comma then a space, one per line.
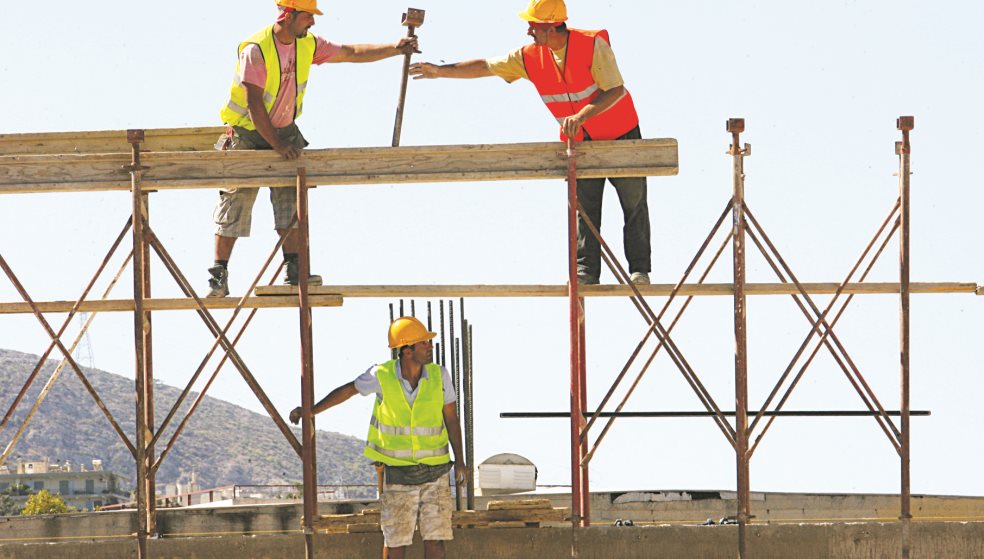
416, 474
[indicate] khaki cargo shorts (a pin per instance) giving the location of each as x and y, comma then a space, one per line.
403, 505
233, 214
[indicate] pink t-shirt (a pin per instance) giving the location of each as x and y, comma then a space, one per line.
252, 70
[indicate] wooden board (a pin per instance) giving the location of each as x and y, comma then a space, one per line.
719, 289
109, 141
387, 165
520, 504
126, 305
501, 514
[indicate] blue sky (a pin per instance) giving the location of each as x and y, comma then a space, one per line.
820, 86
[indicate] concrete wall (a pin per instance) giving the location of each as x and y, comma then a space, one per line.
664, 507
830, 541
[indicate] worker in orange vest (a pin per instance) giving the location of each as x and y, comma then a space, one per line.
265, 98
576, 75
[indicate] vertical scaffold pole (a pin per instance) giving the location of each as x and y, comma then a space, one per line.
307, 366
736, 126
576, 341
148, 334
140, 337
905, 124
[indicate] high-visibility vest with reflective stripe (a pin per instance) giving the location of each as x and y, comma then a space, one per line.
235, 111
566, 94
401, 435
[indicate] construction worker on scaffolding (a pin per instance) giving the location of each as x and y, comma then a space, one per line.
413, 421
577, 77
265, 99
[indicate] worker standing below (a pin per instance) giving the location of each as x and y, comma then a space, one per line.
413, 421
577, 77
265, 99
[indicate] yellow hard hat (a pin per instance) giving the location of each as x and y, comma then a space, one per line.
408, 330
545, 11
310, 6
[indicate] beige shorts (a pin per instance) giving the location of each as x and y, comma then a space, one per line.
403, 505
233, 214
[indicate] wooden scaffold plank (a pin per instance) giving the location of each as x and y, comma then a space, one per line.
343, 166
285, 296
109, 141
177, 304
662, 290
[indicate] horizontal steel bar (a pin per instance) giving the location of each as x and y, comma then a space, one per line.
665, 414
339, 166
178, 304
720, 289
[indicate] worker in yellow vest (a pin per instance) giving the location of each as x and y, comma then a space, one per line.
265, 99
576, 75
413, 422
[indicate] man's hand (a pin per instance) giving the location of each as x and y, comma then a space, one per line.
407, 45
571, 126
295, 415
424, 70
460, 472
288, 151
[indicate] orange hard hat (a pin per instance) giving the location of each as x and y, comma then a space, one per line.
408, 330
545, 11
310, 6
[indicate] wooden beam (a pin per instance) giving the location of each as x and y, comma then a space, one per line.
109, 141
285, 296
126, 305
217, 169
721, 289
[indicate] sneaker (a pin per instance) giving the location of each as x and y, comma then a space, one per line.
585, 279
218, 284
639, 278
290, 276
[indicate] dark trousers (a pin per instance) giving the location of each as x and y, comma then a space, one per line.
635, 212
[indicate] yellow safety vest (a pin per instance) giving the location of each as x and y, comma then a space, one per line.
235, 111
403, 436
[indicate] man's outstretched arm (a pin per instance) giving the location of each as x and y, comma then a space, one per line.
335, 397
477, 68
372, 53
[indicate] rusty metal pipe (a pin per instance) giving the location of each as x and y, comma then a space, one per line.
235, 313
413, 18
60, 367
65, 324
213, 327
649, 332
645, 368
905, 124
308, 434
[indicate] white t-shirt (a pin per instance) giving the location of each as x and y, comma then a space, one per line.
367, 384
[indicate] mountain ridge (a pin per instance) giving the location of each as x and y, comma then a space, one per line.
70, 426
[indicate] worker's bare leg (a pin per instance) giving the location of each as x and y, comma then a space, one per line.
290, 243
223, 247
395, 552
433, 549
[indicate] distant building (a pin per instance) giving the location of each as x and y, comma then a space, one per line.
79, 488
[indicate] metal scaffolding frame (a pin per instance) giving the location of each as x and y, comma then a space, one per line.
744, 226
739, 435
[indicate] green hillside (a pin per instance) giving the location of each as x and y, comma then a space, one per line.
223, 443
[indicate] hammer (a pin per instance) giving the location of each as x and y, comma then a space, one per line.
413, 19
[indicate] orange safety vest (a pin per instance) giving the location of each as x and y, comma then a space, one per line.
567, 94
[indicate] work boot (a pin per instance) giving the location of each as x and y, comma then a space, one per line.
586, 279
218, 284
639, 278
290, 275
